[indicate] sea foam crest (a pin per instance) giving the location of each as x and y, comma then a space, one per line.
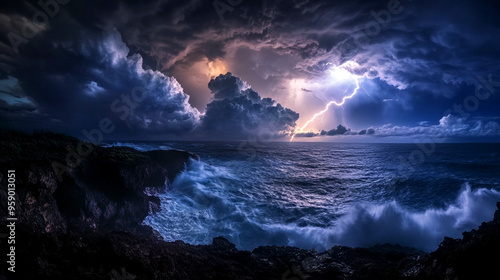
367, 225
201, 205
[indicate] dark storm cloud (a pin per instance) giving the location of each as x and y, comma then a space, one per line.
425, 50
78, 78
433, 47
423, 45
171, 32
238, 112
430, 48
340, 130
366, 131
307, 134
92, 77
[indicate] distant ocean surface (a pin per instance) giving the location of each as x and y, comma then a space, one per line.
316, 195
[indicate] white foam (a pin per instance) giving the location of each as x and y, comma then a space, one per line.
200, 206
367, 225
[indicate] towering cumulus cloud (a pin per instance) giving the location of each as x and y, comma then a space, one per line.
78, 83
237, 111
148, 100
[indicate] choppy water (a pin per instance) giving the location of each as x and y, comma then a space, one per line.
316, 195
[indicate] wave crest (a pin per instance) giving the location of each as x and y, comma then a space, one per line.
204, 202
367, 225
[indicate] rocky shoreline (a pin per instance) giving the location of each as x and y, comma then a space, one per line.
89, 226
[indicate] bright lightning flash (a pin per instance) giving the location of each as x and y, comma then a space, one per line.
344, 74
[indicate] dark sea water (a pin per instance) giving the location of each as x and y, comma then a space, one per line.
316, 195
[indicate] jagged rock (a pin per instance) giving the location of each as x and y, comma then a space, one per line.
223, 244
496, 217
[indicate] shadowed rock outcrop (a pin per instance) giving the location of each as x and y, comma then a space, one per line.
60, 191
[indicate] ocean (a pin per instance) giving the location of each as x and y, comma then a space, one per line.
317, 195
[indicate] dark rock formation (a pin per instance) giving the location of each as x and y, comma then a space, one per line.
60, 191
475, 256
89, 226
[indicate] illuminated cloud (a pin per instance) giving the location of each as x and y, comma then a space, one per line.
338, 75
238, 112
449, 126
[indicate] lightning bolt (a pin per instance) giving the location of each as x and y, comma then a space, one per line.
301, 129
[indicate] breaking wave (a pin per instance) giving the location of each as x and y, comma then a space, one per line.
206, 201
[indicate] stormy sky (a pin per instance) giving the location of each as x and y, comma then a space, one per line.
365, 71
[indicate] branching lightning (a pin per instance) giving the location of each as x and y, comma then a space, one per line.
355, 91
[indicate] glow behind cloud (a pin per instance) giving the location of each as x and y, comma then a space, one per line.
338, 75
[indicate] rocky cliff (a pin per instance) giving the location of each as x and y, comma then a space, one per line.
86, 223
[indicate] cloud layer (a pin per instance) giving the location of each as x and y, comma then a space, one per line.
416, 60
449, 126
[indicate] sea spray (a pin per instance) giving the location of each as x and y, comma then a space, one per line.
196, 209
316, 195
367, 225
